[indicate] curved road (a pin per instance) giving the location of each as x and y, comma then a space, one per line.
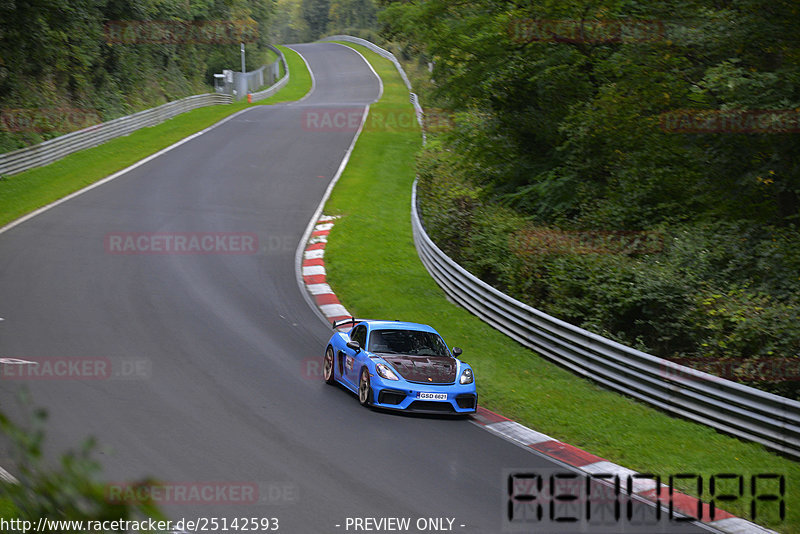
220, 351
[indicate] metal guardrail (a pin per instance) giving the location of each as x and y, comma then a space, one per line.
375, 48
391, 57
725, 405
54, 149
734, 408
277, 86
49, 151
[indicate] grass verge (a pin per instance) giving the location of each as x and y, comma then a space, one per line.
32, 189
374, 269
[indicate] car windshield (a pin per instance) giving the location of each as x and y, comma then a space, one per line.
414, 342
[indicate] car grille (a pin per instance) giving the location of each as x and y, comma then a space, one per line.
466, 401
388, 396
431, 406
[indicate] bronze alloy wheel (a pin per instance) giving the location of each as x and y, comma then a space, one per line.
364, 389
327, 366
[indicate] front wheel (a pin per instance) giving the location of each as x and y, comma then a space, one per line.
364, 388
327, 367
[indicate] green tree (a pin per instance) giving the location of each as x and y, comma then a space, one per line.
346, 14
315, 13
562, 120
55, 55
288, 24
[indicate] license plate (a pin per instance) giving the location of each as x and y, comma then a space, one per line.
431, 396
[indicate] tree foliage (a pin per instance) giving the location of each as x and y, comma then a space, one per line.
562, 120
56, 55
288, 23
66, 490
316, 14
359, 14
307, 20
585, 115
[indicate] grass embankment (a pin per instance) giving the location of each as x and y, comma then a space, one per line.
29, 190
374, 269
299, 81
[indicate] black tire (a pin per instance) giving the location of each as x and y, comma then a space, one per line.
364, 388
328, 364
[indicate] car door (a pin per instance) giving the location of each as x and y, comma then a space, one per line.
351, 357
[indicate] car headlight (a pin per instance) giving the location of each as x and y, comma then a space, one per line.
385, 371
466, 376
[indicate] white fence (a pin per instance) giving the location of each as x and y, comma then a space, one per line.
277, 86
247, 83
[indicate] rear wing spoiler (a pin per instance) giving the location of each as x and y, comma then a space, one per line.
351, 321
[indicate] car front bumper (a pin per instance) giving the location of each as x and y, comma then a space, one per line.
410, 396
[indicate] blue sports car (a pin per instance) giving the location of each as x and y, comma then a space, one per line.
399, 366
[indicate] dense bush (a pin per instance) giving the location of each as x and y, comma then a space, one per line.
716, 292
67, 490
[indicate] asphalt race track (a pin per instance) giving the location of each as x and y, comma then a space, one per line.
215, 357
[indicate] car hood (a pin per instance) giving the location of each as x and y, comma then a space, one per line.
426, 369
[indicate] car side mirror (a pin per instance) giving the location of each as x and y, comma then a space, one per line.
457, 352
353, 345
